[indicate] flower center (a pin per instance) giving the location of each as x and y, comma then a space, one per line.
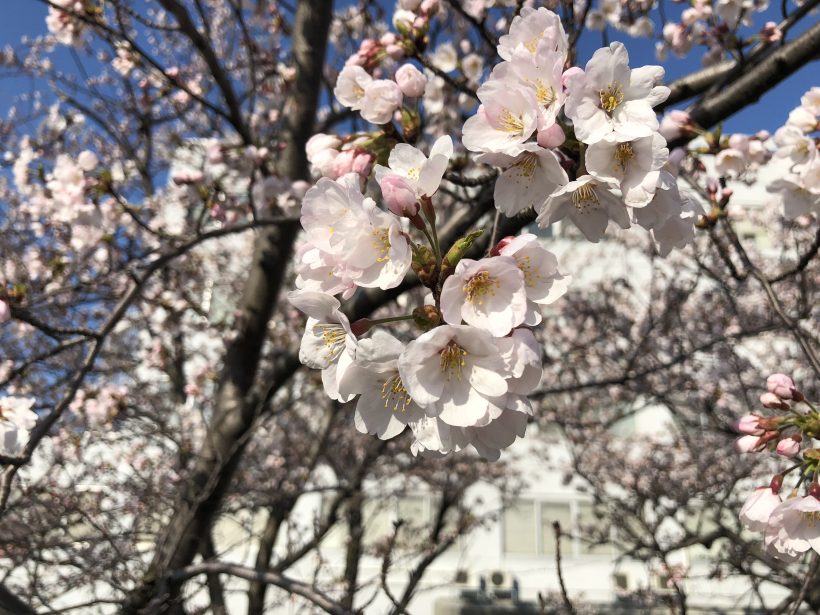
412, 173
623, 154
532, 44
611, 97
511, 123
333, 336
543, 93
394, 394
478, 286
452, 361
526, 164
584, 197
381, 241
810, 516
531, 274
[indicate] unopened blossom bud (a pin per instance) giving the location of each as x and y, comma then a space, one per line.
320, 142
749, 424
789, 447
746, 444
362, 164
395, 51
551, 137
783, 386
772, 401
712, 185
5, 311
726, 193
399, 196
411, 81
569, 74
762, 135
770, 32
501, 245
814, 490
87, 160
776, 484
675, 124
343, 163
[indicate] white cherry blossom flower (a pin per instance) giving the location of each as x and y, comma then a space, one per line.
350, 86
454, 372
793, 528
422, 173
321, 272
16, 421
791, 194
610, 97
758, 508
634, 165
589, 203
543, 283
532, 29
540, 73
328, 343
488, 293
528, 179
678, 230
381, 256
384, 407
793, 144
506, 119
333, 214
381, 99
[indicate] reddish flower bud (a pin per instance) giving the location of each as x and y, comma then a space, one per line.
783, 386
776, 484
770, 400
750, 425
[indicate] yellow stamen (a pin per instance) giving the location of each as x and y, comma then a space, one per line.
479, 285
511, 123
393, 392
584, 197
381, 241
452, 361
526, 164
333, 336
623, 154
611, 97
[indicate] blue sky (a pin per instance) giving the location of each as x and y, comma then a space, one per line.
769, 113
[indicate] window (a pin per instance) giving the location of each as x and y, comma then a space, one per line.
527, 527
520, 529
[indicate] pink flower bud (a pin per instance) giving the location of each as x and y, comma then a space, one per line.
749, 424
395, 51
776, 484
783, 386
788, 447
501, 245
770, 32
770, 400
675, 124
569, 74
762, 135
746, 444
411, 81
551, 137
363, 164
399, 196
343, 163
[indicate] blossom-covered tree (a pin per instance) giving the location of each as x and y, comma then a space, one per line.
256, 253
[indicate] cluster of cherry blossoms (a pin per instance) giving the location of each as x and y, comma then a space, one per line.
789, 524
538, 120
570, 143
798, 192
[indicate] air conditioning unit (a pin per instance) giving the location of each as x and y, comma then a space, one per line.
660, 583
464, 577
500, 579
